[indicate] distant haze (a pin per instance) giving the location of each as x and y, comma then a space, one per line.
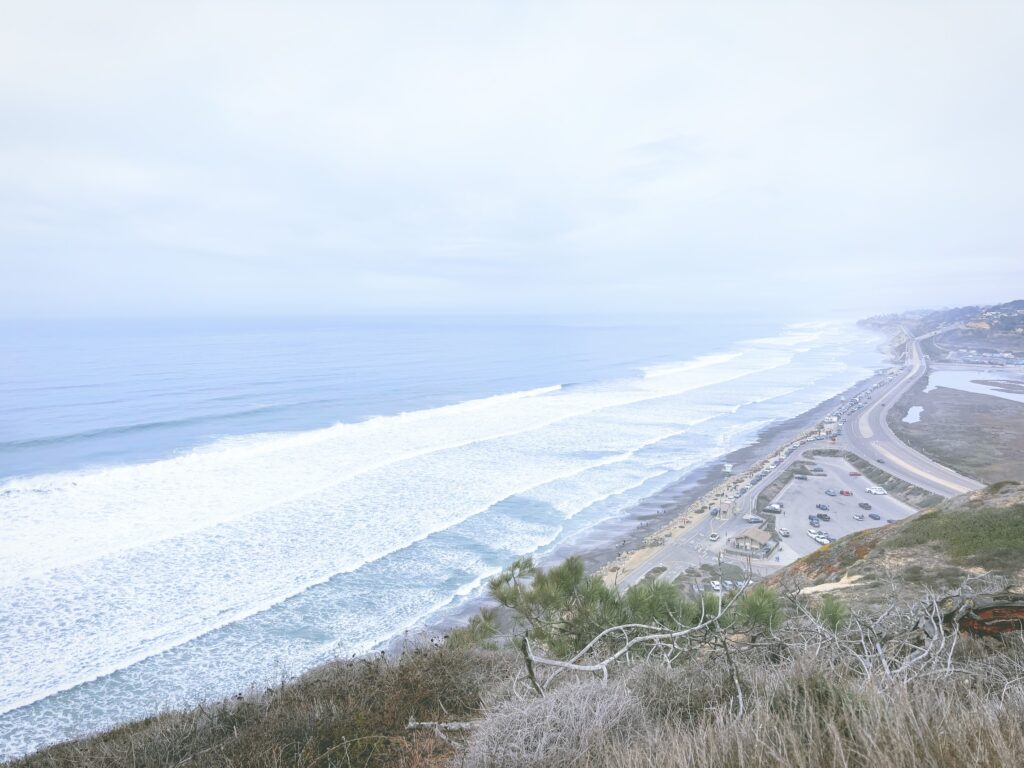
185, 158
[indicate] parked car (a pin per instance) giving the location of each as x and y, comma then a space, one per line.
889, 520
783, 532
830, 492
875, 516
858, 517
714, 537
846, 493
824, 516
813, 521
855, 474
881, 461
799, 477
716, 585
813, 533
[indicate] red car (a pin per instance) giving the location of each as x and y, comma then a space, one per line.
855, 474
846, 493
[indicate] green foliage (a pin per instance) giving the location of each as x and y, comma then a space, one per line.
833, 612
563, 609
992, 537
661, 603
759, 607
478, 633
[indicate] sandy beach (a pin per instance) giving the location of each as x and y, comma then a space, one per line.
614, 547
662, 518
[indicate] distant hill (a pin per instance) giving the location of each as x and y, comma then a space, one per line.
983, 335
1004, 318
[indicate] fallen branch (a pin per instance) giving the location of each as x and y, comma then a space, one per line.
466, 725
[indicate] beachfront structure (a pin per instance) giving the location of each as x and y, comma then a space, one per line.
754, 541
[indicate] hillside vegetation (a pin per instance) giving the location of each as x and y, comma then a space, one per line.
974, 535
571, 673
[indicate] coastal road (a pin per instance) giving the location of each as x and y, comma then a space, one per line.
694, 546
689, 549
868, 435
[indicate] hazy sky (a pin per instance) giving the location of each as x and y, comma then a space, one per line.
310, 157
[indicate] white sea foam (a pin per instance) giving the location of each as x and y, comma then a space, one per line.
170, 551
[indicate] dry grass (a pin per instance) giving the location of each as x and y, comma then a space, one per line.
343, 714
760, 679
806, 706
572, 724
799, 714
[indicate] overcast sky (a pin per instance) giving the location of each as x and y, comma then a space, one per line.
333, 157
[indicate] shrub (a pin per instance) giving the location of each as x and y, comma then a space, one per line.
833, 612
575, 723
989, 536
759, 608
350, 713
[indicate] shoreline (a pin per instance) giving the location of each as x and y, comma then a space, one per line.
600, 545
647, 525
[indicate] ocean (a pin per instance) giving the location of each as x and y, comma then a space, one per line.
191, 509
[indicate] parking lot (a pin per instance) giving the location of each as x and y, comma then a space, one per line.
800, 497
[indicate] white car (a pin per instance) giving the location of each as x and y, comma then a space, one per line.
714, 537
858, 517
783, 532
813, 533
717, 586
877, 491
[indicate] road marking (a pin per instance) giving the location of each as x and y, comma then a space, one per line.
920, 472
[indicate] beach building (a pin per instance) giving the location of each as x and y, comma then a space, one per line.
754, 541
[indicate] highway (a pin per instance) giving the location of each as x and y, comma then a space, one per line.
868, 435
865, 433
